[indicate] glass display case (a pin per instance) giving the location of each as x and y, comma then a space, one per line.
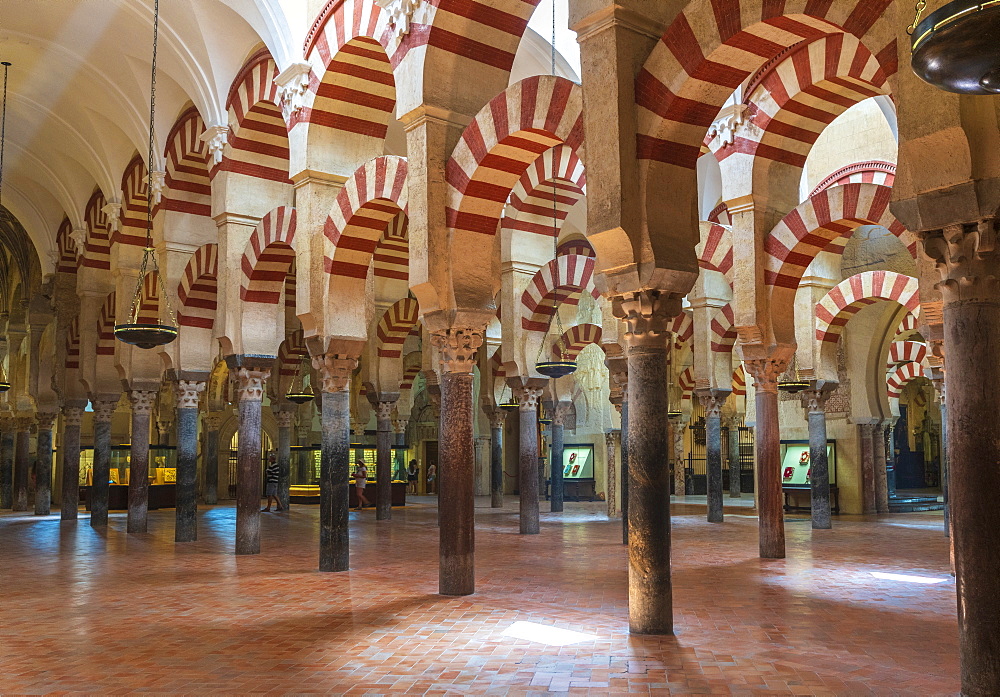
162, 475
578, 473
796, 474
306, 461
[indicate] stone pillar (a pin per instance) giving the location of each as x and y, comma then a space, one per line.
618, 372
890, 461
819, 492
611, 446
735, 466
285, 419
188, 394
497, 417
305, 461
623, 413
677, 427
399, 441
70, 505
866, 432
335, 371
646, 315
712, 401
939, 386
210, 458
358, 429
100, 488
771, 514
138, 483
22, 462
43, 463
383, 459
7, 432
457, 359
881, 475
557, 491
250, 393
527, 478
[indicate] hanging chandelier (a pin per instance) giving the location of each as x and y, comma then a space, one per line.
300, 392
147, 335
957, 47
792, 386
509, 404
4, 383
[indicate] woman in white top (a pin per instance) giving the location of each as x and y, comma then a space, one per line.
360, 480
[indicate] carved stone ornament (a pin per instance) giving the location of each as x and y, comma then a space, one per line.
967, 259
497, 417
457, 349
815, 401
213, 422
712, 404
646, 315
284, 418
142, 401
383, 410
765, 372
399, 425
215, 138
527, 398
293, 85
335, 371
79, 238
730, 118
46, 419
72, 416
158, 180
188, 393
400, 14
24, 423
114, 212
250, 383
103, 411
560, 413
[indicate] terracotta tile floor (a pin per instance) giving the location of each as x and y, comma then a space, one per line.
107, 613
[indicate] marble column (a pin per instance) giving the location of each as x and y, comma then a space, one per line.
250, 394
138, 484
819, 466
210, 457
22, 462
527, 484
618, 373
399, 442
767, 446
306, 470
557, 491
497, 417
646, 315
285, 418
623, 413
383, 459
100, 489
457, 358
188, 393
712, 401
611, 447
677, 428
7, 434
866, 433
70, 504
890, 460
358, 430
335, 370
881, 474
43, 463
735, 466
939, 384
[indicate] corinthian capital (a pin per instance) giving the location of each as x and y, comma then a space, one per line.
103, 410
815, 400
766, 371
712, 401
46, 419
72, 416
967, 259
142, 401
284, 418
188, 393
335, 370
457, 349
646, 315
250, 383
383, 410
527, 397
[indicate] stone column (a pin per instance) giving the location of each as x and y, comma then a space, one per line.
285, 419
890, 461
558, 491
456, 505
771, 514
735, 466
358, 429
819, 492
100, 488
43, 466
305, 461
611, 446
7, 431
866, 433
646, 315
335, 371
497, 417
881, 480
677, 427
22, 462
188, 394
383, 459
138, 482
623, 413
399, 441
527, 478
712, 401
71, 418
939, 385
250, 393
210, 456
618, 373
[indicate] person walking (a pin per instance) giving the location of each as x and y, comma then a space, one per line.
360, 480
412, 475
431, 477
271, 473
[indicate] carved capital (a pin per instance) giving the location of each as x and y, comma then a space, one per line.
215, 138
496, 417
400, 15
646, 314
527, 397
284, 418
293, 84
815, 400
967, 259
250, 383
335, 371
157, 183
383, 410
103, 410
399, 426
457, 349
72, 416
213, 422
142, 401
712, 402
114, 212
560, 413
765, 372
79, 239
24, 423
188, 393
611, 439
45, 420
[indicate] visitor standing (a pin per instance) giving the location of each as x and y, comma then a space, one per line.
412, 475
360, 480
271, 474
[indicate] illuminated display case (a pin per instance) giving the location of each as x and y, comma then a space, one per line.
162, 476
796, 474
306, 461
578, 473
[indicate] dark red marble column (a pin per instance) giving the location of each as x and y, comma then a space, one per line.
819, 465
43, 463
250, 381
557, 491
138, 482
865, 439
285, 418
457, 458
881, 475
527, 480
186, 512
22, 462
100, 489
383, 459
70, 504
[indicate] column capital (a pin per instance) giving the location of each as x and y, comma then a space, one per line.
188, 393
647, 315
142, 401
399, 425
383, 410
496, 416
766, 371
250, 383
213, 421
527, 397
24, 422
815, 397
611, 438
966, 257
103, 410
335, 370
46, 419
560, 413
284, 417
457, 348
713, 401
72, 416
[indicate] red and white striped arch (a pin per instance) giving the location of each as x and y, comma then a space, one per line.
290, 354
907, 324
720, 215
897, 379
496, 365
98, 249
869, 172
685, 381
825, 222
496, 149
850, 295
717, 250
268, 257
106, 327
395, 325
134, 201
545, 193
906, 352
723, 331
149, 301
187, 187
574, 340
739, 381
68, 260
197, 293
258, 144
409, 375
392, 254
363, 212
562, 280
682, 327
73, 344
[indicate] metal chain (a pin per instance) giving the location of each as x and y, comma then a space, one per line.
3, 127
555, 211
921, 6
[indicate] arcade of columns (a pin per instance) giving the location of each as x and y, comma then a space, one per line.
293, 240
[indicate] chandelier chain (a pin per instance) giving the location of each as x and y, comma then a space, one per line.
3, 127
919, 9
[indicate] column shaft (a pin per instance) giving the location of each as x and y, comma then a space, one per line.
713, 465
528, 463
7, 464
22, 462
456, 572
284, 455
248, 476
334, 483
819, 492
735, 468
100, 488
624, 468
878, 459
945, 470
210, 457
383, 461
867, 468
767, 445
43, 465
138, 483
496, 464
557, 488
186, 526
70, 505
